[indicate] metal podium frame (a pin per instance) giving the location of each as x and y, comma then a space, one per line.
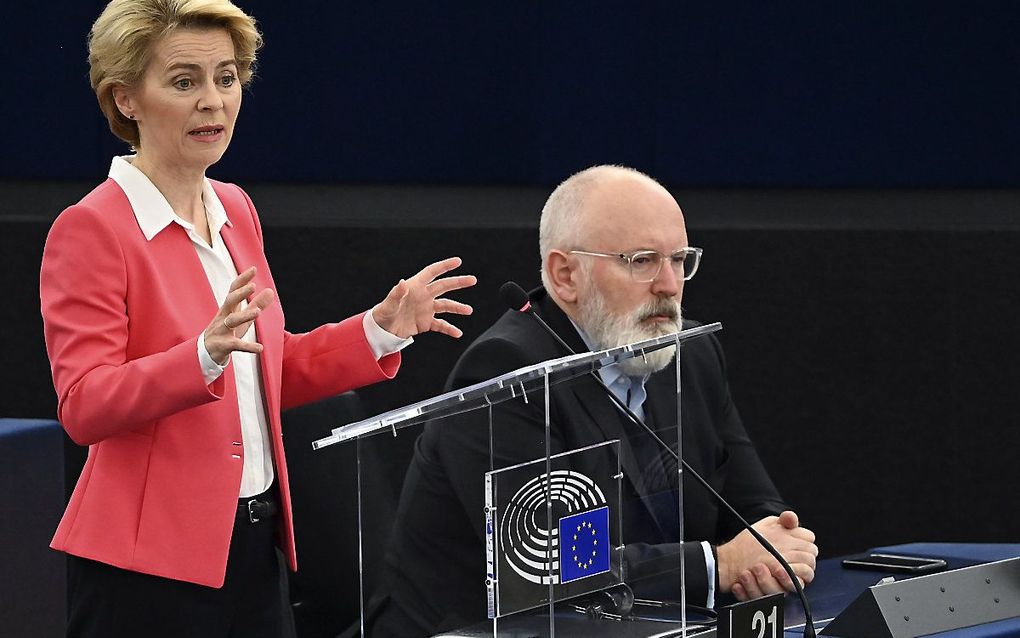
518, 383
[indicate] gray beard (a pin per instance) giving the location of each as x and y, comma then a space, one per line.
607, 330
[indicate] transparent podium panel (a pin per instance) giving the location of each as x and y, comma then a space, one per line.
533, 499
553, 529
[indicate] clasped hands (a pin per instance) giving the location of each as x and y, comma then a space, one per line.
409, 309
748, 571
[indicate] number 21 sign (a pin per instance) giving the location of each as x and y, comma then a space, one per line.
758, 618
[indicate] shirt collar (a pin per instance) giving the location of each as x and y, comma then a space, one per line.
151, 209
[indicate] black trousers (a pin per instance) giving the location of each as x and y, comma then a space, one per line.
108, 602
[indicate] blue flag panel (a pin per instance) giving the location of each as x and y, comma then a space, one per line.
584, 544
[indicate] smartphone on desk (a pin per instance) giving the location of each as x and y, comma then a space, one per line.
895, 563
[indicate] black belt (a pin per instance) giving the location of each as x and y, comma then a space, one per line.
256, 508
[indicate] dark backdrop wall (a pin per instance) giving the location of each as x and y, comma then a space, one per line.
852, 170
875, 367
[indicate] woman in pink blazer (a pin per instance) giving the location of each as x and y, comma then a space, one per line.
168, 349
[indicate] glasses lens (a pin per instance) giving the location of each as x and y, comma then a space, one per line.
644, 265
685, 262
691, 258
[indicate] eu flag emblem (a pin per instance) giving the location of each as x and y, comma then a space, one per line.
584, 544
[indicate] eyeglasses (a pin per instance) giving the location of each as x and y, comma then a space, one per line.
645, 264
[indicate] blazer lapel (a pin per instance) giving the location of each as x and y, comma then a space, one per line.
245, 251
661, 404
592, 399
172, 247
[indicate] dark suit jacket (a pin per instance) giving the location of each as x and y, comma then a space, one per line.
436, 560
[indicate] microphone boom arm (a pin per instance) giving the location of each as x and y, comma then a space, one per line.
809, 628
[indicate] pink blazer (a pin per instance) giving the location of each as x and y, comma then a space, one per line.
122, 316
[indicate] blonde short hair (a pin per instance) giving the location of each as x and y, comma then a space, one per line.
122, 39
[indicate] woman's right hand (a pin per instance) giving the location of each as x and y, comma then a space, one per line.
225, 332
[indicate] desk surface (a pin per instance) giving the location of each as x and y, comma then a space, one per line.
833, 589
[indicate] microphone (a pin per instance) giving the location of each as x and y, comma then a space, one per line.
517, 299
514, 296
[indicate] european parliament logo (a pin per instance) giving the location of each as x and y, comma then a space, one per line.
561, 554
584, 544
553, 532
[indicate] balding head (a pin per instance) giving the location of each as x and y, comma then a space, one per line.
565, 214
590, 226
607, 207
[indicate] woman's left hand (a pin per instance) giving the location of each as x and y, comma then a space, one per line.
412, 305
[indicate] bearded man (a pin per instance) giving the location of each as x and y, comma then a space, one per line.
615, 258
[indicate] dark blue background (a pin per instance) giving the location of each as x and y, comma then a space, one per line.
780, 94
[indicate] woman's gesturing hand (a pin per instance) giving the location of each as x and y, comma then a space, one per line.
225, 332
412, 305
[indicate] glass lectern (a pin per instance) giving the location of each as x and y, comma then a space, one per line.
556, 552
